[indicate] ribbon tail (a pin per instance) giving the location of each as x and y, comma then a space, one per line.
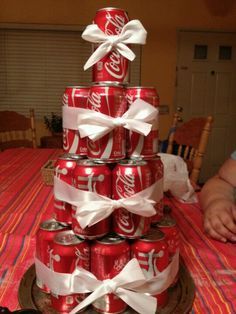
89, 215
98, 54
140, 302
140, 127
125, 51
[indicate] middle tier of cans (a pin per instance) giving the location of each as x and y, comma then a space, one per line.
111, 99
115, 181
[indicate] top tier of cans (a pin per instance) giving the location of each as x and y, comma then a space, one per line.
111, 95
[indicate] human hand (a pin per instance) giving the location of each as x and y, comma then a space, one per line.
220, 220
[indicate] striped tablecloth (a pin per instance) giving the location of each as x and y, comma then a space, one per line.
25, 201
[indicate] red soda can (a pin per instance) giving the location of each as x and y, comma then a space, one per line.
152, 254
64, 168
157, 170
169, 227
93, 177
75, 96
139, 145
130, 177
108, 257
44, 239
113, 66
69, 252
108, 99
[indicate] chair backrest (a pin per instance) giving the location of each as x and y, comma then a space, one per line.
16, 130
189, 140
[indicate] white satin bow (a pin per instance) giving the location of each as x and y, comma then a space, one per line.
132, 33
92, 207
95, 124
81, 281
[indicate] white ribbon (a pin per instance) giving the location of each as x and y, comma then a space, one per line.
132, 33
81, 281
92, 207
95, 124
131, 284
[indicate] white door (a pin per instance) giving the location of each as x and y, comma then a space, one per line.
206, 85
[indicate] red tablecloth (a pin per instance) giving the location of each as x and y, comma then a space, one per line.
25, 201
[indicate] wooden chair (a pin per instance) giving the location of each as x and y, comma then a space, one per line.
189, 140
16, 130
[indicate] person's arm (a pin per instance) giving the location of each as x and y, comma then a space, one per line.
217, 201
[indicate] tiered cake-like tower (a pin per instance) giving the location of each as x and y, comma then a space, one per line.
108, 186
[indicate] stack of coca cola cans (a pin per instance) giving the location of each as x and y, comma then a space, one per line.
118, 165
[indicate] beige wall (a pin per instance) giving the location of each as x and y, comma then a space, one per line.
161, 18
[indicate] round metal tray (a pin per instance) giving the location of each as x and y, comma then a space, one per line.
181, 296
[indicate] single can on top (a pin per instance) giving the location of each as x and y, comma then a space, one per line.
112, 67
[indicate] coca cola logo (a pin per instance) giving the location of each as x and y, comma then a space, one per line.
116, 65
125, 184
52, 258
65, 100
60, 171
120, 263
130, 98
94, 100
125, 221
94, 147
82, 258
65, 140
116, 22
149, 262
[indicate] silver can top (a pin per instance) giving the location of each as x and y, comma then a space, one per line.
90, 163
153, 235
67, 238
51, 225
132, 162
111, 239
166, 221
69, 156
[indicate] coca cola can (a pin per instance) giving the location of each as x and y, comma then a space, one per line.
130, 177
157, 170
44, 239
108, 99
64, 168
152, 254
169, 227
113, 66
137, 144
68, 252
108, 257
93, 177
75, 96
